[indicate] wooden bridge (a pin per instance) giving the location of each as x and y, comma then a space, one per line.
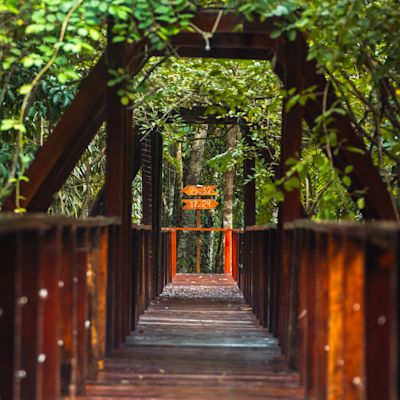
94, 308
319, 322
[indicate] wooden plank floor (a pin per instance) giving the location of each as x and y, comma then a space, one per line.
198, 340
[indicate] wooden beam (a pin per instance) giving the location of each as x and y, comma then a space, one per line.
156, 183
292, 120
118, 185
78, 125
58, 156
231, 21
223, 53
290, 209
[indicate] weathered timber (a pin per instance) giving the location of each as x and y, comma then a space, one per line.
197, 340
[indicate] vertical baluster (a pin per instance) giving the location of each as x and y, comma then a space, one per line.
34, 295
51, 266
10, 306
336, 313
380, 305
68, 286
354, 322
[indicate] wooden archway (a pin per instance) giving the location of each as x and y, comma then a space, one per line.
81, 120
95, 103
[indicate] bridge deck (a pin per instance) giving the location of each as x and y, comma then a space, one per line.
198, 340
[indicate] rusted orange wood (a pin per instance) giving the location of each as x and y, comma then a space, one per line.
198, 242
354, 323
235, 258
200, 190
199, 204
228, 252
196, 229
336, 313
102, 299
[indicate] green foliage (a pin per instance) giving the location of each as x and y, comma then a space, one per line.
48, 46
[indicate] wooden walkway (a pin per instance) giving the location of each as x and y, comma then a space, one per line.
200, 341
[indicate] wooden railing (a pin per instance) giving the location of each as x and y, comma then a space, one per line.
330, 293
229, 249
65, 303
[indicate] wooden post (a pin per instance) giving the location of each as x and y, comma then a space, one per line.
173, 253
235, 259
31, 289
249, 206
84, 288
118, 192
102, 281
290, 208
51, 259
156, 191
198, 240
68, 327
228, 252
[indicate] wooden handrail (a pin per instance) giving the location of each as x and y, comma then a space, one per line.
331, 297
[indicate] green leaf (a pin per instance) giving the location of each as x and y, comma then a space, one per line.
292, 35
7, 124
35, 28
361, 203
355, 150
281, 10
348, 169
292, 102
82, 32
346, 181
275, 34
291, 183
291, 161
24, 89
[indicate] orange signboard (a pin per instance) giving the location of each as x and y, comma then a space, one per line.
200, 190
199, 204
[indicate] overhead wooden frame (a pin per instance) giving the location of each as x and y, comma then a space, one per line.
81, 120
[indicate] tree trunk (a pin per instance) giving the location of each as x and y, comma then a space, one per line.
169, 199
193, 171
177, 216
229, 176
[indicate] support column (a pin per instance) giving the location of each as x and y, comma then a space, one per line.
228, 252
152, 188
173, 254
290, 209
156, 171
249, 190
118, 191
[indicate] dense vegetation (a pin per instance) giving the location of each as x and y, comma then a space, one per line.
48, 46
